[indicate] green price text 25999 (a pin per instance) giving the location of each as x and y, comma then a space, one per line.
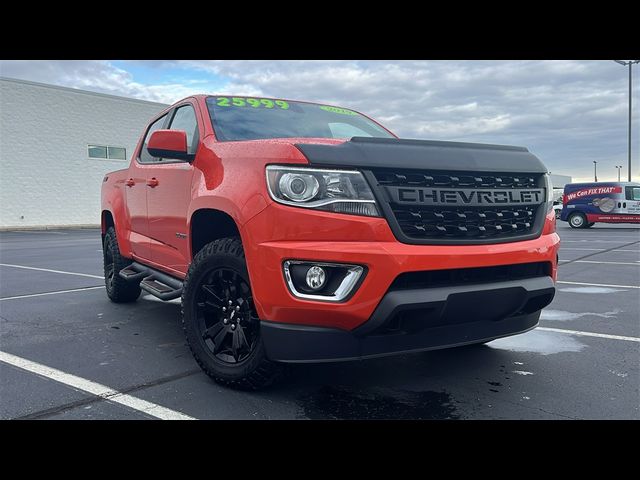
251, 102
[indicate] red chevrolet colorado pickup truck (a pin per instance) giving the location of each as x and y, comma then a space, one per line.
301, 232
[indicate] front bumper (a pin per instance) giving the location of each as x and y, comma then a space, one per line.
416, 320
281, 233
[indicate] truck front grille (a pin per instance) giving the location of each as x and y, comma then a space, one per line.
463, 223
459, 223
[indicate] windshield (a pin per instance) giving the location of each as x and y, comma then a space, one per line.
243, 118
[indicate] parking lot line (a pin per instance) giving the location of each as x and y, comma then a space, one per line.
590, 334
600, 252
595, 249
45, 232
51, 271
592, 241
94, 388
637, 264
598, 284
51, 293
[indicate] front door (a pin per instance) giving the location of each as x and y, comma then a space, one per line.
631, 200
169, 196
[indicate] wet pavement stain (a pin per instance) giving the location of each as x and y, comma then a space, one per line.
537, 341
495, 384
561, 315
340, 403
590, 290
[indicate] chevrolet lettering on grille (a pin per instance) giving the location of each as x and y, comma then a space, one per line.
465, 196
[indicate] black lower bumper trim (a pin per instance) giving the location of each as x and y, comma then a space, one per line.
415, 320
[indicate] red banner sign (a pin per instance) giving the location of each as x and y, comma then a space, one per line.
586, 192
594, 217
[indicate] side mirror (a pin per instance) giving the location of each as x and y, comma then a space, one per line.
169, 144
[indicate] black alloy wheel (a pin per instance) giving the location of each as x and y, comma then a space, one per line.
220, 319
226, 315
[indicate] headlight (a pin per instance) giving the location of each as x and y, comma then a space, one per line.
549, 187
298, 187
340, 191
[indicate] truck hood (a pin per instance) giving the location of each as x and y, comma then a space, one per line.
366, 152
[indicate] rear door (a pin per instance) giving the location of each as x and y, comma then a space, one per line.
136, 192
169, 196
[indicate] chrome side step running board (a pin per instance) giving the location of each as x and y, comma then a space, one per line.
152, 281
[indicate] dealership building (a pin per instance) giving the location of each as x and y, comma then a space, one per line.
56, 145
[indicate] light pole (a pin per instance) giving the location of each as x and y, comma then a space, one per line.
595, 170
619, 167
629, 64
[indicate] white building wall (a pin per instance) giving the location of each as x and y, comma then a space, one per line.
46, 176
559, 181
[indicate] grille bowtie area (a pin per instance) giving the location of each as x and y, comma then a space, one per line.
461, 222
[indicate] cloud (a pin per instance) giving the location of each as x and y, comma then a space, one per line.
567, 112
98, 76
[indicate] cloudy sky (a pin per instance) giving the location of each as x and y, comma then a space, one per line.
569, 113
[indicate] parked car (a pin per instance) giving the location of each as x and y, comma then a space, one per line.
585, 204
557, 208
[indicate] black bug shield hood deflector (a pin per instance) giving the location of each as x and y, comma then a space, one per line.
365, 152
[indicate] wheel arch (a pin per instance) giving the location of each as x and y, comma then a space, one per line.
209, 224
106, 221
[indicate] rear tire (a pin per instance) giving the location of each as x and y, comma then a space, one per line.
220, 320
119, 290
577, 220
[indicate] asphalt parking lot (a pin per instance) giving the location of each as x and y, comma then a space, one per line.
67, 352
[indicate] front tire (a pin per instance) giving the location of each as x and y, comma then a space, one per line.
119, 290
577, 220
220, 320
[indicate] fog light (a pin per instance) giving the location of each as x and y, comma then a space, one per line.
329, 282
316, 278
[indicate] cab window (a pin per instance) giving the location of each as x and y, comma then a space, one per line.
145, 156
632, 193
185, 119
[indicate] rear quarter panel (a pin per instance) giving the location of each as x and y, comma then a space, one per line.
113, 200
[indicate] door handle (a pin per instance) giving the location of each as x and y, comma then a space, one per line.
130, 183
153, 182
